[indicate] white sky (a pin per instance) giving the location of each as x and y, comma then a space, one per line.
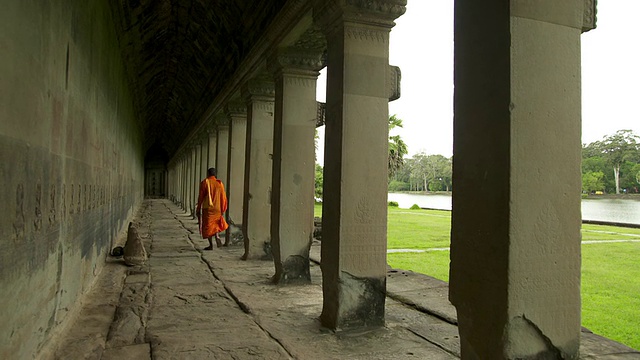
422, 46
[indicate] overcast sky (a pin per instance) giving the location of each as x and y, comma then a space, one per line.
422, 45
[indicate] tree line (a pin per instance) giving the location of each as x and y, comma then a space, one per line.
612, 165
423, 172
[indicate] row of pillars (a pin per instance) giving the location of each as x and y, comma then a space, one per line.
515, 255
264, 150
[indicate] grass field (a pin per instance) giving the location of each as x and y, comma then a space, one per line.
610, 270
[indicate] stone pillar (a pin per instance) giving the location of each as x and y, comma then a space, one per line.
293, 173
237, 116
213, 145
256, 222
165, 183
183, 183
222, 151
354, 223
190, 168
175, 181
188, 176
204, 153
179, 181
515, 251
195, 180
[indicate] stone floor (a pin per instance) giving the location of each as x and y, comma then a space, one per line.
188, 303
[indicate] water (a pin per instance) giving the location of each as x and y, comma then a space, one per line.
614, 210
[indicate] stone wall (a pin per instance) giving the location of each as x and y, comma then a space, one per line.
71, 162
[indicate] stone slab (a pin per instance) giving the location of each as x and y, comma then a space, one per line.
131, 352
594, 346
137, 279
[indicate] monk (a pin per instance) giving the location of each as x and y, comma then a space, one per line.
212, 200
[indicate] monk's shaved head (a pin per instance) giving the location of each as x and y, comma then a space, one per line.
212, 172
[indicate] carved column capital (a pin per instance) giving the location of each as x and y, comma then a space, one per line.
590, 15
235, 109
327, 13
308, 53
221, 120
298, 60
260, 88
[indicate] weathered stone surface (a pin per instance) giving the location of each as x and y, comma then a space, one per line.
515, 245
131, 352
236, 238
424, 292
256, 219
229, 309
317, 228
71, 169
127, 328
134, 251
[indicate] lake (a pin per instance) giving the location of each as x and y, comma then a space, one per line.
614, 210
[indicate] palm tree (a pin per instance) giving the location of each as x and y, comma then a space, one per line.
397, 147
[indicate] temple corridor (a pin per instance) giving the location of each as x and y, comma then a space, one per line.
111, 111
188, 303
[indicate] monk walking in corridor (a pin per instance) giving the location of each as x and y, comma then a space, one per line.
212, 200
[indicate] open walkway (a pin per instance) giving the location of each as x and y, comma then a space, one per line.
188, 303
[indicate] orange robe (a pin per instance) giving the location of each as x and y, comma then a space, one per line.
213, 202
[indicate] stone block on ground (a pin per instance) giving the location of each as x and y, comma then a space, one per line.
134, 251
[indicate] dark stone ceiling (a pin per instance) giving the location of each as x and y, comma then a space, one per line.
179, 53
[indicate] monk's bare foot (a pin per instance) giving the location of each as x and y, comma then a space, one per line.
226, 243
218, 242
209, 247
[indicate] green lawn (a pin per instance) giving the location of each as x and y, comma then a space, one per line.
610, 271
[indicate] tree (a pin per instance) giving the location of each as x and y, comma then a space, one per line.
597, 164
592, 181
397, 147
319, 180
618, 148
316, 137
430, 169
629, 176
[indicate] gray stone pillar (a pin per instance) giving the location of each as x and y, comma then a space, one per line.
183, 183
189, 156
180, 180
515, 251
237, 116
176, 182
222, 151
354, 223
185, 186
194, 178
213, 145
256, 222
293, 180
204, 153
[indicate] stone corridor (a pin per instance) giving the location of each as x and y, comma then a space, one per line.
187, 303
